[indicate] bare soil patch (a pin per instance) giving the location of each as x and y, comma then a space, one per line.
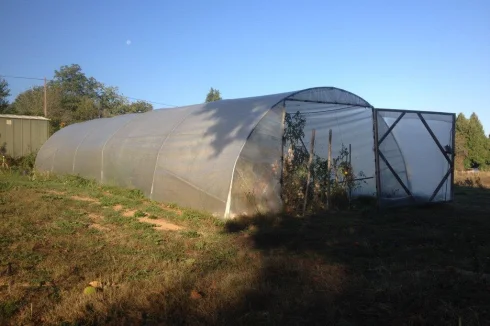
96, 218
87, 199
129, 213
161, 224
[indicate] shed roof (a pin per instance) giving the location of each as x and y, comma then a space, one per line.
25, 117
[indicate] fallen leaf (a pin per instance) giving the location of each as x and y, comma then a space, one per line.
195, 295
96, 284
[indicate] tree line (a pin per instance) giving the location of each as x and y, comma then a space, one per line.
472, 145
71, 97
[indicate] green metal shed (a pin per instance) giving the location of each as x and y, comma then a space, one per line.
21, 135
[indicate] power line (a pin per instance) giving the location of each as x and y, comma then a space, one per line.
20, 77
132, 98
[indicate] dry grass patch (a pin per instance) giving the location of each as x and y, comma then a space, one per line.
96, 219
473, 179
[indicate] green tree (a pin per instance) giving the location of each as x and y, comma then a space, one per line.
111, 103
4, 94
477, 142
73, 97
74, 82
462, 160
31, 102
76, 87
138, 107
213, 95
86, 110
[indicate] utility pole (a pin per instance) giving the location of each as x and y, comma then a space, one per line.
45, 100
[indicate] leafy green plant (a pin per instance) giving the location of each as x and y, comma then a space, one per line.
5, 185
78, 181
23, 164
139, 214
8, 309
336, 181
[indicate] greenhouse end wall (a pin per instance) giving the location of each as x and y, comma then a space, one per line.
256, 185
415, 156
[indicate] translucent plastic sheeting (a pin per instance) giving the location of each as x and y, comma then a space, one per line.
350, 125
329, 95
413, 146
389, 148
61, 152
89, 158
184, 155
256, 181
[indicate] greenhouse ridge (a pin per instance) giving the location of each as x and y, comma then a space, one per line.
224, 157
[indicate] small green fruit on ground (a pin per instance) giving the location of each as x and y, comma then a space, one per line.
89, 290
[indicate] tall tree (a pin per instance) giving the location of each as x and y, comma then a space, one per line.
213, 95
86, 110
4, 94
74, 82
477, 142
462, 160
111, 102
31, 102
76, 87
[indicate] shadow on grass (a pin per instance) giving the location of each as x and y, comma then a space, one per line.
409, 266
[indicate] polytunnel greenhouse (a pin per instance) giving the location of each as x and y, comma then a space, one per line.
227, 157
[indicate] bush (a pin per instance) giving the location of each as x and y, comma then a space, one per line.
23, 164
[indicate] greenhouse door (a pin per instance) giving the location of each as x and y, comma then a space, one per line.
414, 153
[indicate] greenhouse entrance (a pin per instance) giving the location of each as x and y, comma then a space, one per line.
414, 156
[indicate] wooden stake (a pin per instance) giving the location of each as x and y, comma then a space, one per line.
310, 161
45, 99
329, 165
350, 171
282, 147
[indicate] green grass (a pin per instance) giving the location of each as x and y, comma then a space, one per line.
411, 266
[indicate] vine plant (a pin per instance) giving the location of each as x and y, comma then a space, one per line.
328, 185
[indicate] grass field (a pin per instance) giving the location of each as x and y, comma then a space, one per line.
157, 264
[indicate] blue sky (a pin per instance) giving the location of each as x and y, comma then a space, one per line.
424, 55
